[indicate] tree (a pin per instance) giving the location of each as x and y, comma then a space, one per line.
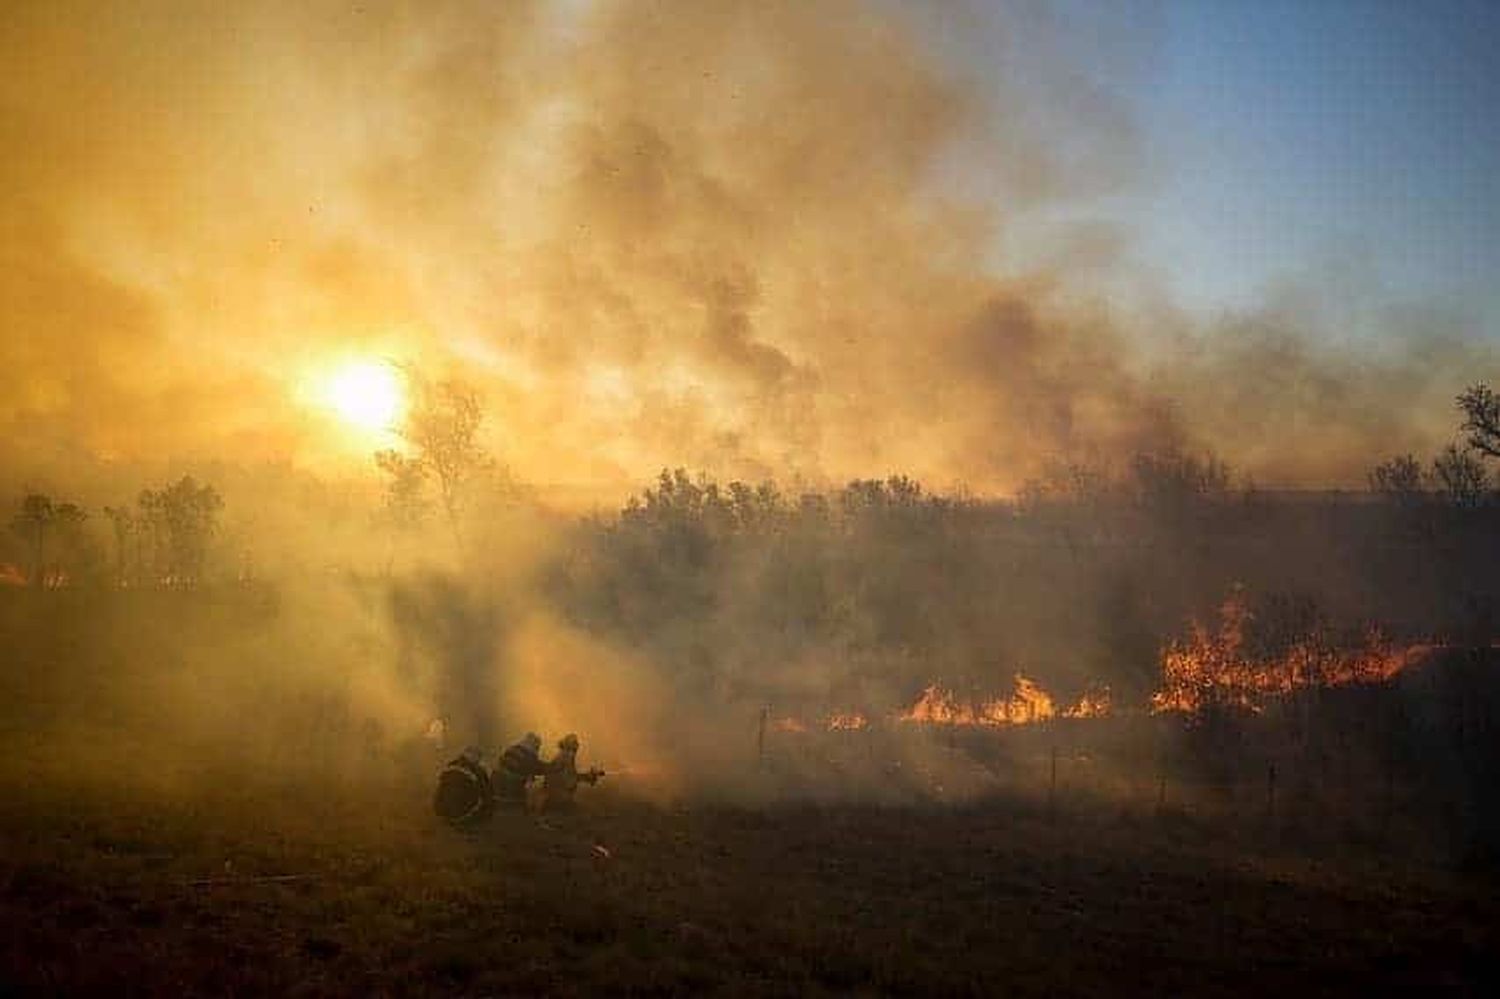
40, 516
1170, 479
1399, 479
1461, 477
123, 521
183, 518
404, 506
1481, 409
72, 545
443, 428
683, 518
755, 509
875, 497
31, 521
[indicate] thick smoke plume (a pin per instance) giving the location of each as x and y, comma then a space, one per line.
715, 235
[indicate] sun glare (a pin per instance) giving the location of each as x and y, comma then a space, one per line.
367, 394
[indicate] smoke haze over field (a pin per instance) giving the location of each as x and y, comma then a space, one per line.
748, 238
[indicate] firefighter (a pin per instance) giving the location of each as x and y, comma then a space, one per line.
563, 778
464, 796
518, 765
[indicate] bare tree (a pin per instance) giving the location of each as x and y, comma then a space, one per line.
1400, 479
1481, 409
31, 522
1461, 477
1170, 477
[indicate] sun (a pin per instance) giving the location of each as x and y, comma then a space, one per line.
368, 395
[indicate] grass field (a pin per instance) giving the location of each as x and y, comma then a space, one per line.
282, 890
144, 850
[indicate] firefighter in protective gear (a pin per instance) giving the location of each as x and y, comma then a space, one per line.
518, 765
464, 795
562, 778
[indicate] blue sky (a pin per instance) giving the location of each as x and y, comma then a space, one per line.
1351, 146
1298, 137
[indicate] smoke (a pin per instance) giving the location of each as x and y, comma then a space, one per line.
746, 238
758, 239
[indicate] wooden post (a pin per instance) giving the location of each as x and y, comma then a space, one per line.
1387, 800
1161, 777
760, 737
1052, 787
1395, 736
1271, 791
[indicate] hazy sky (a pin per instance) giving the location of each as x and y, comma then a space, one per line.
809, 241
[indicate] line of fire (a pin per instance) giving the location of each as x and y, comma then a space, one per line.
1209, 670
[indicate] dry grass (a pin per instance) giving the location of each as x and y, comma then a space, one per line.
291, 890
128, 864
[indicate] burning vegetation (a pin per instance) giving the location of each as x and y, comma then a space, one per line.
847, 722
1215, 669
1027, 704
1212, 669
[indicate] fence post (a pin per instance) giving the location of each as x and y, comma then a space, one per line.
1052, 787
1161, 777
1271, 791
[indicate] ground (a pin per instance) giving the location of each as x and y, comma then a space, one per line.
149, 845
281, 890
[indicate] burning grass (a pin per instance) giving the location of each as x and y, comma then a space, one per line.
1210, 669
1215, 669
1028, 704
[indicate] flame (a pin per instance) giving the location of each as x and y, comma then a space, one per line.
837, 721
1028, 704
846, 722
1093, 704
1213, 668
938, 706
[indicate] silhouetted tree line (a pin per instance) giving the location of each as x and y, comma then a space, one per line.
162, 539
877, 582
1083, 579
1457, 476
52, 531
